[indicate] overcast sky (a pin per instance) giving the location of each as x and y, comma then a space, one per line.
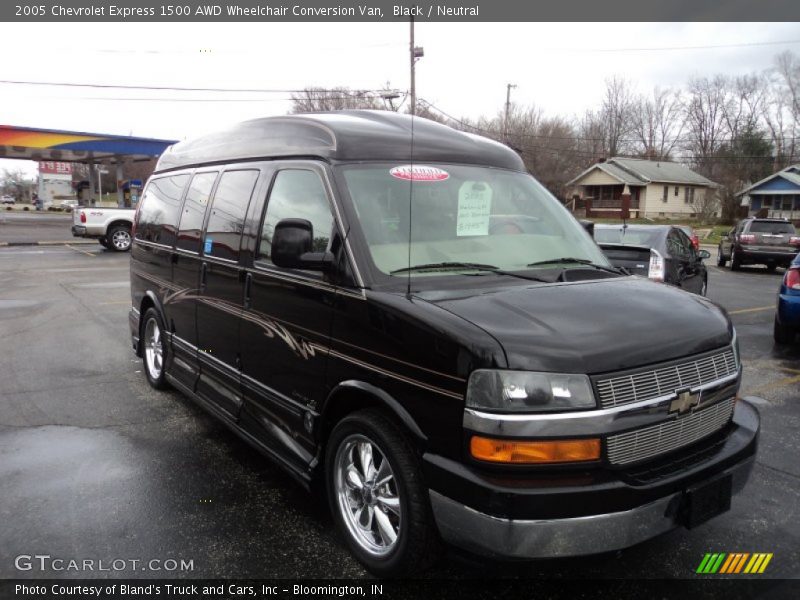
559, 67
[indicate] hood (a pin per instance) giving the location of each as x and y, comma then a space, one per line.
593, 326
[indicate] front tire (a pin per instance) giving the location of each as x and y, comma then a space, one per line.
378, 497
119, 238
782, 334
154, 349
721, 260
103, 242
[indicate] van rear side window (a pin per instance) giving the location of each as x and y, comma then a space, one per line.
161, 205
226, 222
194, 211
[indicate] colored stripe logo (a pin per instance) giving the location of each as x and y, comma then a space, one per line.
734, 563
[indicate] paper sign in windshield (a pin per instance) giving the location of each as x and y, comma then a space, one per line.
419, 173
474, 208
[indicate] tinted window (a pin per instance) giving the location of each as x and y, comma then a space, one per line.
297, 194
632, 237
158, 215
225, 224
194, 210
771, 227
679, 245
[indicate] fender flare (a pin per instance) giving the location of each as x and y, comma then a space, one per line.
149, 294
383, 398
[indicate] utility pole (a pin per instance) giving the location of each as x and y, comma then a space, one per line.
415, 54
508, 108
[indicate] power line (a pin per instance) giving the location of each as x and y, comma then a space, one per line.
496, 135
673, 48
177, 89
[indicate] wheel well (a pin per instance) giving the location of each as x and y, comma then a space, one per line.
126, 224
147, 303
342, 404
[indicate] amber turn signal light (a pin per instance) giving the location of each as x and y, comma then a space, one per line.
530, 452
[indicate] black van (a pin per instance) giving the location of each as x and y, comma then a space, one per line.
397, 311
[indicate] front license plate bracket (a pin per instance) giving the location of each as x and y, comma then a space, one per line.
706, 500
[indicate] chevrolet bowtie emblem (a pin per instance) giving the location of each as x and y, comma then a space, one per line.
685, 402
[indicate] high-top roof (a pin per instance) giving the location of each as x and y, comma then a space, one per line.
352, 135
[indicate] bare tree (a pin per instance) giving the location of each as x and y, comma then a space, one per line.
615, 112
657, 123
705, 120
315, 99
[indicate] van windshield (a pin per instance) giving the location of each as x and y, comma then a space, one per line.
460, 216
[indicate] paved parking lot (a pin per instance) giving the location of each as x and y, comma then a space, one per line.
95, 464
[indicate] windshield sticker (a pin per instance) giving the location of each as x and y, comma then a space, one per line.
474, 208
208, 246
419, 173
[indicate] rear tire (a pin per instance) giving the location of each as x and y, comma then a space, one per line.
387, 526
782, 334
771, 267
119, 238
736, 263
720, 257
154, 349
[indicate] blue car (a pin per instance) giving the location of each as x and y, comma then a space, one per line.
787, 317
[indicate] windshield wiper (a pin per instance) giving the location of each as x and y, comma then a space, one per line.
467, 266
571, 259
446, 265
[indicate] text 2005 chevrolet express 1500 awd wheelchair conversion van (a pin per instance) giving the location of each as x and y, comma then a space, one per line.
429, 335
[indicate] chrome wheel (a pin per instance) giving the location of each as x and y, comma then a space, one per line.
121, 239
367, 495
153, 349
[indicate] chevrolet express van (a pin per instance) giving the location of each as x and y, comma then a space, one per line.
398, 312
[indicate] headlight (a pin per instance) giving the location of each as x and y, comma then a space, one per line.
526, 391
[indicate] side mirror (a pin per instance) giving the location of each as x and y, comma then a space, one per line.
587, 225
292, 242
703, 254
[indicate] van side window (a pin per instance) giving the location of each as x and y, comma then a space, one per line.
225, 224
297, 194
160, 209
194, 210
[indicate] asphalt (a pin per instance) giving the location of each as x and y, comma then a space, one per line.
95, 464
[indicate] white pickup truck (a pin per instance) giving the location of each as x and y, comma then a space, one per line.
110, 226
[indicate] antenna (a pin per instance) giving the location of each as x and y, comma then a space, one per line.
410, 200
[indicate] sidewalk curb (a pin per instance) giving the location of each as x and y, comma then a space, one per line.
53, 243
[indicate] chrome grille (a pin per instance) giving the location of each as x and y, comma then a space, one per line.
654, 440
627, 389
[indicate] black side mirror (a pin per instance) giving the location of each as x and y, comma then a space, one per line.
292, 242
587, 225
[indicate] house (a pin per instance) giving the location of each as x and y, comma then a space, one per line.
776, 196
657, 188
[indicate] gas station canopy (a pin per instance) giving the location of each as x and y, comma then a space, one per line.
70, 146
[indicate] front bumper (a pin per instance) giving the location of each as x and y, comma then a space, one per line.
577, 513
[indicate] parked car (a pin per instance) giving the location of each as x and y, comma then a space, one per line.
659, 252
68, 204
437, 346
770, 242
109, 226
787, 317
5, 199
689, 231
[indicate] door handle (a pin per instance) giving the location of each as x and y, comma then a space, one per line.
248, 281
203, 272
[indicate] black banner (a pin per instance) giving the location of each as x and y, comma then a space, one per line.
282, 589
397, 10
